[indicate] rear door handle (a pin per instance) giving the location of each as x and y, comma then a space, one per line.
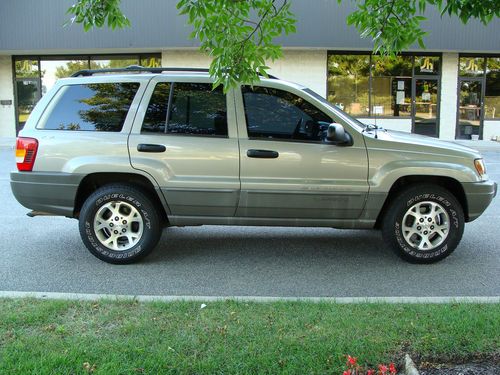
263, 154
144, 147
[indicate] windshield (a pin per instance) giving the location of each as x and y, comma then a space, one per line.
337, 110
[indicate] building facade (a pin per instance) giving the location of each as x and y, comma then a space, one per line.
450, 90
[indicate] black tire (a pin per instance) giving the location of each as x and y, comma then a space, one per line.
144, 225
410, 247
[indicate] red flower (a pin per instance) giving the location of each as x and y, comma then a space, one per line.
347, 372
382, 369
351, 361
392, 368
370, 372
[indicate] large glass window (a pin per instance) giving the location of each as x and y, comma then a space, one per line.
391, 86
272, 113
98, 107
195, 109
28, 90
55, 69
425, 65
348, 85
107, 62
372, 85
36, 75
471, 66
492, 89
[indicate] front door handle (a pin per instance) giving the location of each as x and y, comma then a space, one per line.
263, 154
144, 147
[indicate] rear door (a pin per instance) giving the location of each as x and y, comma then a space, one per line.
288, 171
185, 137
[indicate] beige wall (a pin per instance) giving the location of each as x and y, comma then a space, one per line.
7, 112
491, 130
307, 67
448, 104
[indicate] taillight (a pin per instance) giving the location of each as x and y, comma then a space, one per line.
26, 153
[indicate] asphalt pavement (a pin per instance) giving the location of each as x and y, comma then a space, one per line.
45, 254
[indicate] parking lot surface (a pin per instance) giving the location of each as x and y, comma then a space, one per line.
45, 254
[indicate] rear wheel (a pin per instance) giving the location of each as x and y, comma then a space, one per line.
119, 224
424, 224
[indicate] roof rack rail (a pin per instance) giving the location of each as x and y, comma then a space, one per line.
142, 69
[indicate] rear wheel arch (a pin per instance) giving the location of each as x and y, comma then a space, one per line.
405, 182
94, 181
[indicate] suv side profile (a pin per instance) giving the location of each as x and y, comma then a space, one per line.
132, 152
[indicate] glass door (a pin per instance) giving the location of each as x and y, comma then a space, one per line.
470, 108
28, 94
425, 108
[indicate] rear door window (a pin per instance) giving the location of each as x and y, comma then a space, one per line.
92, 107
192, 108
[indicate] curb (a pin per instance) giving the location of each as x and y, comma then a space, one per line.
260, 299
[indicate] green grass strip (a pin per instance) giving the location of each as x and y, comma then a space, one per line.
127, 337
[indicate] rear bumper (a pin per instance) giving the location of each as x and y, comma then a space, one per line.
479, 196
53, 193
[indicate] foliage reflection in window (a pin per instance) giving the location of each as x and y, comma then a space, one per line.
391, 86
348, 84
92, 107
492, 89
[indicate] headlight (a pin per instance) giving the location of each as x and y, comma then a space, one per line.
480, 167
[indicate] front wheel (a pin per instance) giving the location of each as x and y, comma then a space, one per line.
119, 224
424, 224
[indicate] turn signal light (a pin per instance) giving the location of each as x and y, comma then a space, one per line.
26, 149
480, 167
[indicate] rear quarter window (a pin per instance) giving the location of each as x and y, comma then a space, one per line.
91, 107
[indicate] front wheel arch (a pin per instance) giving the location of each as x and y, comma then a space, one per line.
405, 182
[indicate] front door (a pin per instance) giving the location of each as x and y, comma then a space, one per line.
470, 108
288, 171
425, 106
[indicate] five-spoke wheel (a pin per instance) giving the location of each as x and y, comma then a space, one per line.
424, 223
119, 224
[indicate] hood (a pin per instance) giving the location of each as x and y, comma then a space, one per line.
421, 143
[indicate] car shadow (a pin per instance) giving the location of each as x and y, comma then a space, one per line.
295, 244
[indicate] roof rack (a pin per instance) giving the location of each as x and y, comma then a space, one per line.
141, 69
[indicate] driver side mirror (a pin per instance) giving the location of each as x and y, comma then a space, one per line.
337, 135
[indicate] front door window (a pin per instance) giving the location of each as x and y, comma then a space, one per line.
469, 108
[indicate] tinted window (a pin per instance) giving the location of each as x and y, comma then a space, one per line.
156, 114
99, 107
272, 113
194, 109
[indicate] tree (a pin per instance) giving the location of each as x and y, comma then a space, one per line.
239, 34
